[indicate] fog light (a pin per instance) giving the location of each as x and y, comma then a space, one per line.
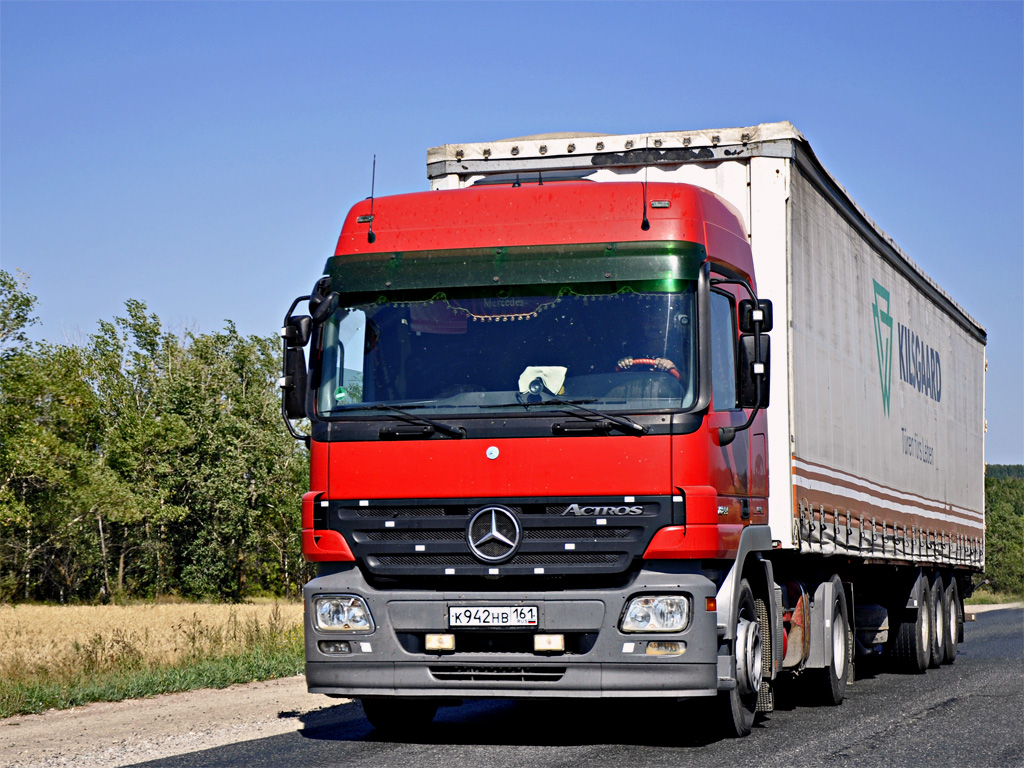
342, 613
440, 642
666, 649
334, 646
549, 643
667, 613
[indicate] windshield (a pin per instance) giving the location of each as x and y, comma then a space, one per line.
630, 350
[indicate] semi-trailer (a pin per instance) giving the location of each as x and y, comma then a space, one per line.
654, 415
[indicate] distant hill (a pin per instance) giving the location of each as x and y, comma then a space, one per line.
1004, 471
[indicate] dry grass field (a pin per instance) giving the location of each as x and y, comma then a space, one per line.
76, 653
49, 637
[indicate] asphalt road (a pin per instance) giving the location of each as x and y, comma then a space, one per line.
968, 714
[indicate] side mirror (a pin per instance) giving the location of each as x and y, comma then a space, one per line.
325, 308
750, 371
751, 314
296, 331
293, 384
321, 288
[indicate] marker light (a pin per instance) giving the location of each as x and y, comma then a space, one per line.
668, 613
334, 646
549, 643
666, 649
440, 642
341, 613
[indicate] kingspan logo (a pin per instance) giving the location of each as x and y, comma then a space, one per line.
576, 509
883, 341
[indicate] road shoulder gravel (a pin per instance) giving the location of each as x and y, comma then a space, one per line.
126, 732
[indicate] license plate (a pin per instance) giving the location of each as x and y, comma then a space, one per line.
492, 616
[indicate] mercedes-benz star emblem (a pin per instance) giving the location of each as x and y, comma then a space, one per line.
494, 534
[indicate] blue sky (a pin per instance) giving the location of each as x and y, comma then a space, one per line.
200, 157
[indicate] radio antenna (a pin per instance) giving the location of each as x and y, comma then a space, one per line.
370, 236
645, 224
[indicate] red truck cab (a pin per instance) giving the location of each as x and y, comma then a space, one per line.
538, 449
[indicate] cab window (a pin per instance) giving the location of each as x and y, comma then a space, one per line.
723, 351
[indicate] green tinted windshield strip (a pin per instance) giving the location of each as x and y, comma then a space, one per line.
668, 261
607, 288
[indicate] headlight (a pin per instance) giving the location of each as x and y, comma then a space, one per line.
342, 613
670, 613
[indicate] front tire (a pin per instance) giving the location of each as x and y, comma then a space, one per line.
739, 706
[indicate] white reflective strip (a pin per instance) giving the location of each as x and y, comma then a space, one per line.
538, 570
492, 571
570, 546
628, 647
365, 648
364, 502
325, 503
421, 548
601, 521
449, 571
629, 499
389, 524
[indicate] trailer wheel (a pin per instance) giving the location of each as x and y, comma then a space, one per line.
953, 619
405, 715
911, 649
829, 684
939, 624
739, 706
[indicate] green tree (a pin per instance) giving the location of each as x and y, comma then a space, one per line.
142, 462
16, 306
1004, 536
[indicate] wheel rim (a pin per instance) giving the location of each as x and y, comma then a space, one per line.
926, 626
838, 644
748, 656
952, 619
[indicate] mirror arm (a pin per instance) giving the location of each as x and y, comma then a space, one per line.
287, 421
727, 434
735, 281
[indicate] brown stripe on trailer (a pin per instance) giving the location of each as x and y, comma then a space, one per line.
966, 518
832, 524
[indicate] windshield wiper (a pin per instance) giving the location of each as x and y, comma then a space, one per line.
622, 422
440, 426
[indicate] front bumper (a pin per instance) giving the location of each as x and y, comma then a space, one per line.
599, 661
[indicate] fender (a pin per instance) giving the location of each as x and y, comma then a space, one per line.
755, 538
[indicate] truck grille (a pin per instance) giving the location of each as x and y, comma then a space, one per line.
503, 674
409, 538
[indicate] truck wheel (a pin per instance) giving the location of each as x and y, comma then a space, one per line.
940, 626
953, 619
911, 649
829, 684
399, 715
739, 705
